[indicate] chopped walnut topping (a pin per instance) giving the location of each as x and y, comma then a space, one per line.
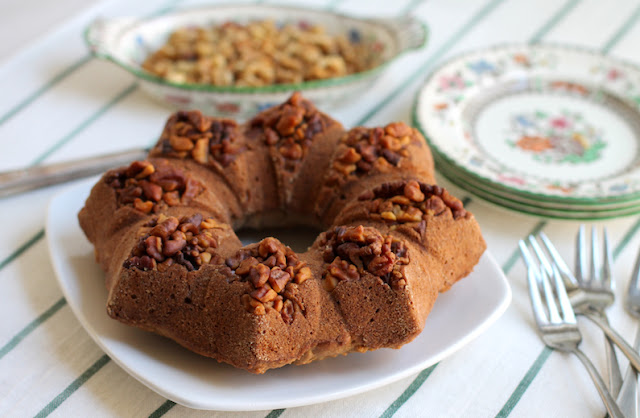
148, 188
290, 128
363, 148
189, 241
411, 202
349, 252
274, 271
190, 134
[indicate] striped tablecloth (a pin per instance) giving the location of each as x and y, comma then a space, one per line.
58, 103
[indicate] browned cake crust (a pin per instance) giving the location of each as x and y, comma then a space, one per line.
163, 233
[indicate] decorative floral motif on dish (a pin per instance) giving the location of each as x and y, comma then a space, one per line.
556, 139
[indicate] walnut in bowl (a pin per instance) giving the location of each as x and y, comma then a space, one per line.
235, 60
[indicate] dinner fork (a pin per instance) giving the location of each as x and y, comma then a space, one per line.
560, 331
588, 296
628, 397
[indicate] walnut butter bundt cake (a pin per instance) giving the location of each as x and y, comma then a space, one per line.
163, 231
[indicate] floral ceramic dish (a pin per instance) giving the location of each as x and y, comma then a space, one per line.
549, 127
128, 41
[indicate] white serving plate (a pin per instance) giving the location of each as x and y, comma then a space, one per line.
459, 316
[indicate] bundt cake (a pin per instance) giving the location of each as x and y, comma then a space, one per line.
163, 231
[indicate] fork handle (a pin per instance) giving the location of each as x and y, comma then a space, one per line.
615, 375
627, 350
628, 396
609, 402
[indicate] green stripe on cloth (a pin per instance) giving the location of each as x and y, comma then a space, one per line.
36, 94
626, 238
275, 413
64, 73
457, 36
162, 409
524, 383
21, 249
87, 122
561, 14
70, 390
5, 349
620, 33
413, 387
542, 357
515, 255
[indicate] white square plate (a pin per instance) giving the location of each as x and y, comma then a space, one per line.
459, 316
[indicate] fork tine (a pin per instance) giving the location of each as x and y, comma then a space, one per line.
536, 301
542, 259
635, 277
526, 256
581, 261
554, 314
608, 260
563, 298
595, 259
534, 288
557, 259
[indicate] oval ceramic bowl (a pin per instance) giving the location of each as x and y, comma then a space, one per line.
128, 41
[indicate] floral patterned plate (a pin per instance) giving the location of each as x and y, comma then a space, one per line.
473, 184
569, 212
128, 41
544, 123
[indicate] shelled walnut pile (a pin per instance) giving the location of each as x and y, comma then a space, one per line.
259, 53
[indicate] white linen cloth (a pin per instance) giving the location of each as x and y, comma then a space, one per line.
58, 103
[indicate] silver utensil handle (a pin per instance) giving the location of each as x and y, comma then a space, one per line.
16, 181
627, 350
609, 402
628, 396
615, 375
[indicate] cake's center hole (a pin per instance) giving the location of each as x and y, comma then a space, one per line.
299, 238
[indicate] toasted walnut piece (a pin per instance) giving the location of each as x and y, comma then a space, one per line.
361, 150
139, 169
199, 152
264, 294
147, 187
153, 246
410, 202
278, 279
287, 311
258, 275
189, 134
179, 143
290, 128
302, 275
390, 216
271, 268
268, 246
144, 207
349, 252
165, 228
330, 282
278, 303
185, 241
350, 156
413, 192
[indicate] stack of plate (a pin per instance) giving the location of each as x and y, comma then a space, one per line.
548, 130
